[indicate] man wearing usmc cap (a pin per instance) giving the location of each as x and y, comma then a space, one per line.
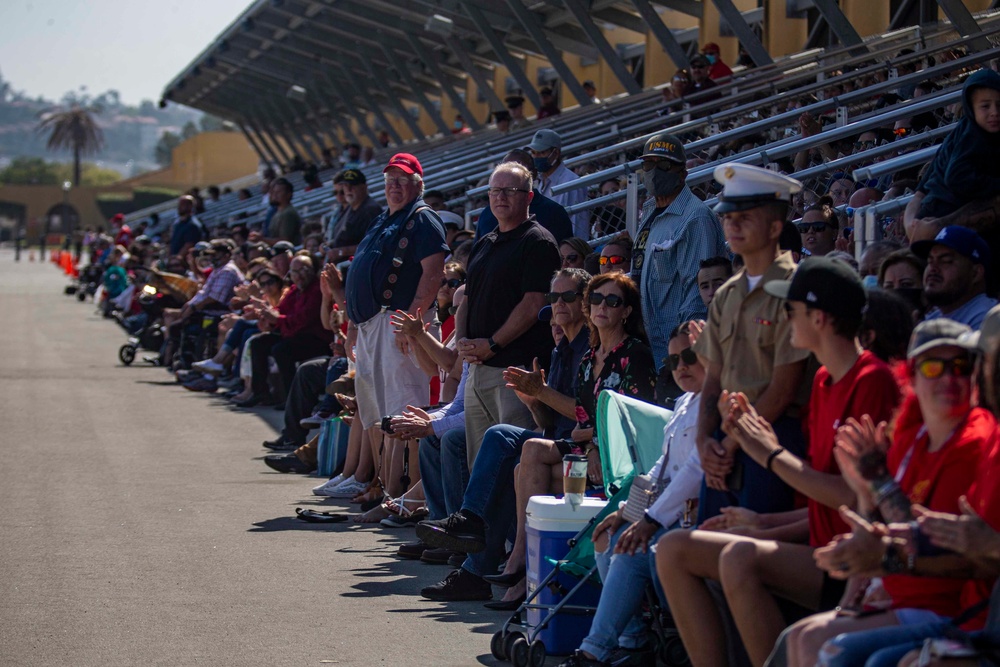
397, 266
676, 232
745, 345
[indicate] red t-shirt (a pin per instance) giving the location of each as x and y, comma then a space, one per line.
984, 496
936, 481
868, 388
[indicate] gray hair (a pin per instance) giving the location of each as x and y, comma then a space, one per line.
515, 169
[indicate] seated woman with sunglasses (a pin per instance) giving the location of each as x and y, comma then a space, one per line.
619, 360
616, 628
819, 227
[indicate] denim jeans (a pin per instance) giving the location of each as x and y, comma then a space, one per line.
882, 646
444, 472
336, 368
617, 622
491, 494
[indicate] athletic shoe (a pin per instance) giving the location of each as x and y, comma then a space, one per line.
459, 586
315, 420
462, 531
330, 485
202, 384
209, 366
348, 489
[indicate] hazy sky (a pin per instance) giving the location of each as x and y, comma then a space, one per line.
49, 47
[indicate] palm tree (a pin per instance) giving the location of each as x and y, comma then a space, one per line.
73, 129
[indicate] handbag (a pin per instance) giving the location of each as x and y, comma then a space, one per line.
645, 490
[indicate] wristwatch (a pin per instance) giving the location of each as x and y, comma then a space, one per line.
894, 561
650, 520
494, 346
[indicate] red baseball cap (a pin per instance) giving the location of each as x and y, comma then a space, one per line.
711, 47
406, 162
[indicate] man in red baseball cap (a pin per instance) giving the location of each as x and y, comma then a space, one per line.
719, 69
397, 267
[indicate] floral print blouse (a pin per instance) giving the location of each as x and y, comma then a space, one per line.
628, 370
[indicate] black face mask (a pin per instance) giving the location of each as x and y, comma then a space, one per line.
660, 183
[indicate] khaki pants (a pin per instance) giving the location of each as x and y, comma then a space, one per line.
489, 402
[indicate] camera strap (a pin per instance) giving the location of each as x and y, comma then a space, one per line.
404, 479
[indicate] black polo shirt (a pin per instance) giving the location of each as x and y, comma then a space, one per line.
503, 267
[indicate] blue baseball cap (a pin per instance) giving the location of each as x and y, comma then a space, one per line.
962, 240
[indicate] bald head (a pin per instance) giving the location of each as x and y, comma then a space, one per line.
864, 196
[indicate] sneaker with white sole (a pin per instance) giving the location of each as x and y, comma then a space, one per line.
329, 485
347, 489
209, 366
315, 420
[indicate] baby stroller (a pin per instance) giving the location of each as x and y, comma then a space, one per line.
629, 434
145, 330
86, 285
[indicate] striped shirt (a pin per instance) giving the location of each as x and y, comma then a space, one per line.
219, 286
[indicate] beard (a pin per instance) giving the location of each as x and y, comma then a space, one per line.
944, 296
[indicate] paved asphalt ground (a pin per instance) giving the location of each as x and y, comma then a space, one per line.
140, 527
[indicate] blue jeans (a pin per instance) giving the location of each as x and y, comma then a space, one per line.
617, 622
761, 491
879, 647
491, 493
444, 471
336, 368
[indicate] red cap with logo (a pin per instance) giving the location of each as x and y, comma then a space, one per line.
406, 162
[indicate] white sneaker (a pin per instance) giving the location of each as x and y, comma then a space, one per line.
347, 489
330, 485
315, 420
208, 366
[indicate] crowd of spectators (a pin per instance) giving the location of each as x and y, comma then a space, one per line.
833, 420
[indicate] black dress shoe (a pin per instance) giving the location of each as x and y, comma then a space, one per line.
412, 550
288, 463
505, 605
441, 556
459, 586
255, 400
505, 580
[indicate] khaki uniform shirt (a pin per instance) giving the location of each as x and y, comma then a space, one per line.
747, 334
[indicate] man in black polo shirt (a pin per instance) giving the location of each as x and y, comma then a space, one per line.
353, 224
497, 325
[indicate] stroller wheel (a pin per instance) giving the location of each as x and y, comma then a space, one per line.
508, 644
497, 646
519, 652
536, 654
671, 651
127, 354
81, 296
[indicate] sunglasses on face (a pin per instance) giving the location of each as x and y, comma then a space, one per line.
570, 258
686, 356
453, 283
267, 283
932, 369
662, 165
613, 300
807, 227
567, 297
613, 260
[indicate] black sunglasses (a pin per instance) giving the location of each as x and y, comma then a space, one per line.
806, 227
453, 283
267, 283
662, 165
567, 297
570, 258
613, 300
686, 355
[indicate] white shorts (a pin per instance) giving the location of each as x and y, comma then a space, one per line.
385, 381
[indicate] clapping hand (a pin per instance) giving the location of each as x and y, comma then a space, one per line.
407, 324
529, 383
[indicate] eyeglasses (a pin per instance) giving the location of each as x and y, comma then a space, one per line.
662, 165
508, 192
686, 356
338, 193
613, 260
807, 227
398, 180
613, 300
932, 369
569, 258
567, 297
453, 283
267, 283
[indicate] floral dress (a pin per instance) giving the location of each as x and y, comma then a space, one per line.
628, 370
